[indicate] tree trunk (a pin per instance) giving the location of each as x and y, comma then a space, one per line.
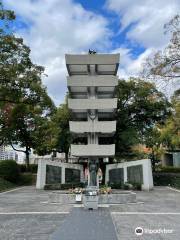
153, 161
27, 158
66, 157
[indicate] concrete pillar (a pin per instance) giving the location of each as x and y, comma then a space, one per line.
63, 174
147, 175
41, 174
125, 174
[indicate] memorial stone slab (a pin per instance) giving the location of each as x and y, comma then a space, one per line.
53, 174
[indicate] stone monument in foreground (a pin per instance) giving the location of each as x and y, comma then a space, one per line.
91, 83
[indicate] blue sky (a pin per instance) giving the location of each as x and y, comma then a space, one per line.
51, 28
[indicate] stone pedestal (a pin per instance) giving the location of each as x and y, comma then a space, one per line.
90, 198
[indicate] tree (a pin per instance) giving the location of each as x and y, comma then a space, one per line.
165, 64
23, 123
170, 132
153, 141
63, 135
140, 107
24, 103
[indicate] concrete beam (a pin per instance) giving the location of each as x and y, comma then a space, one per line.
102, 59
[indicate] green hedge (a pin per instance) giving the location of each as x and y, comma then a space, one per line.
167, 179
32, 168
27, 179
9, 170
65, 186
169, 169
5, 185
116, 185
125, 186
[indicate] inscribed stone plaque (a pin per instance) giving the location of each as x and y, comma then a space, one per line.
135, 174
53, 174
116, 175
72, 175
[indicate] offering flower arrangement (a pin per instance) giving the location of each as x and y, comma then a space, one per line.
102, 190
105, 190
76, 190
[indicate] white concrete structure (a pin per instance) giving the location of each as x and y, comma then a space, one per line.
91, 82
146, 171
41, 174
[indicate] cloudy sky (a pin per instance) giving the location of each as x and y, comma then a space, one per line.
51, 28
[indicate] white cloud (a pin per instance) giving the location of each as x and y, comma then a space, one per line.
148, 18
128, 65
58, 27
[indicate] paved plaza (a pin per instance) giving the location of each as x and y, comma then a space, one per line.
26, 214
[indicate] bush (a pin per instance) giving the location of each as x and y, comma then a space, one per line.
115, 185
125, 186
170, 169
27, 179
9, 170
32, 168
136, 186
167, 179
5, 185
63, 186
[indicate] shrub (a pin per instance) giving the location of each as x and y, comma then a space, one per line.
32, 168
115, 185
9, 170
170, 169
63, 186
22, 168
5, 185
26, 179
167, 179
126, 186
136, 186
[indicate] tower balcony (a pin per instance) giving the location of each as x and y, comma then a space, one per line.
90, 127
102, 83
105, 64
93, 150
96, 104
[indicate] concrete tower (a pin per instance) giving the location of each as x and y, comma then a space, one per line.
91, 82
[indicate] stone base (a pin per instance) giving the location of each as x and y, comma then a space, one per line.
114, 198
90, 202
63, 198
118, 198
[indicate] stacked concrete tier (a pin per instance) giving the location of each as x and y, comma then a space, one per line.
91, 83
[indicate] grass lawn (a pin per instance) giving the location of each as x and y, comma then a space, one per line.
5, 185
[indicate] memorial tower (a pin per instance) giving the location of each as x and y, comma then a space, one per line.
91, 83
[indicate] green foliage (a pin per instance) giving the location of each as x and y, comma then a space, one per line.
125, 186
135, 186
24, 103
63, 137
5, 185
170, 169
26, 179
65, 186
32, 168
170, 132
55, 134
167, 179
140, 107
9, 170
116, 185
